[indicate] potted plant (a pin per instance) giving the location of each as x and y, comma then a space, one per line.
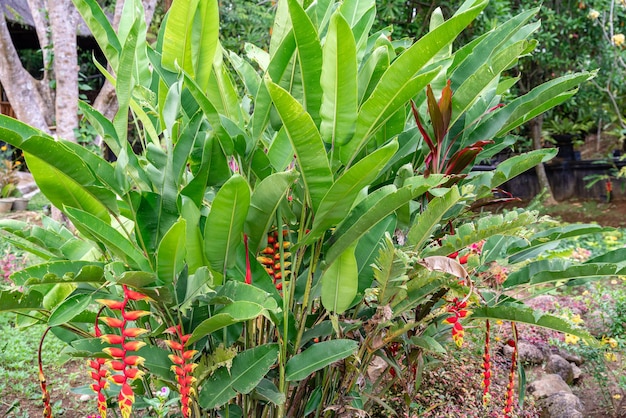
567, 134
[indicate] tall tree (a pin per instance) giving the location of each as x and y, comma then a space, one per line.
39, 102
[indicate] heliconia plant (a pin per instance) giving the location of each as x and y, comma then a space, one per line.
255, 223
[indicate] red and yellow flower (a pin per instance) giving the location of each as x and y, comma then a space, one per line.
183, 366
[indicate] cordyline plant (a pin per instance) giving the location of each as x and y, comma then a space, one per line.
248, 223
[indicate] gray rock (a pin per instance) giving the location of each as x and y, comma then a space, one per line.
561, 405
558, 365
547, 385
577, 372
572, 358
527, 353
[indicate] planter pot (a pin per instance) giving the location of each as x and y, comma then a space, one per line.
5, 204
19, 204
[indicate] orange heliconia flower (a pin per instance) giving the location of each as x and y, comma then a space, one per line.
182, 367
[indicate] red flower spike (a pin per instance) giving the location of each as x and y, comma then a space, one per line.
508, 408
112, 322
133, 295
98, 374
134, 315
126, 400
134, 360
114, 352
486, 365
111, 339
133, 332
112, 304
248, 271
183, 368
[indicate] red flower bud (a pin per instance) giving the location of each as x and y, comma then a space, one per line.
112, 322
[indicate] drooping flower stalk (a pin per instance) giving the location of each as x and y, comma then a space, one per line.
509, 387
183, 367
45, 395
270, 258
99, 373
458, 311
123, 344
486, 365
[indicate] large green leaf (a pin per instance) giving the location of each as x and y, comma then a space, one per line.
238, 311
428, 220
126, 82
267, 196
317, 357
204, 40
170, 257
194, 244
523, 314
309, 53
339, 83
101, 29
66, 191
225, 222
69, 309
307, 143
177, 38
114, 241
247, 370
374, 208
340, 282
401, 81
341, 196
18, 301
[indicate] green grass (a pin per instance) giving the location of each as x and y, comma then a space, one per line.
18, 363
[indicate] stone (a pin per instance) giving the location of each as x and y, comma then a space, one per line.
576, 371
572, 358
85, 398
547, 385
527, 353
561, 405
558, 365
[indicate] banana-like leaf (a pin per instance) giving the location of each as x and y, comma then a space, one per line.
170, 257
341, 196
248, 368
309, 53
554, 270
238, 311
267, 196
339, 83
340, 282
177, 37
69, 308
374, 208
204, 40
58, 272
317, 357
526, 107
484, 228
125, 81
66, 191
101, 28
104, 233
225, 222
401, 81
523, 314
307, 143
19, 301
428, 220
194, 243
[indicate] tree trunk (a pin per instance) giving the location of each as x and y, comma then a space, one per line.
63, 19
535, 130
21, 88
